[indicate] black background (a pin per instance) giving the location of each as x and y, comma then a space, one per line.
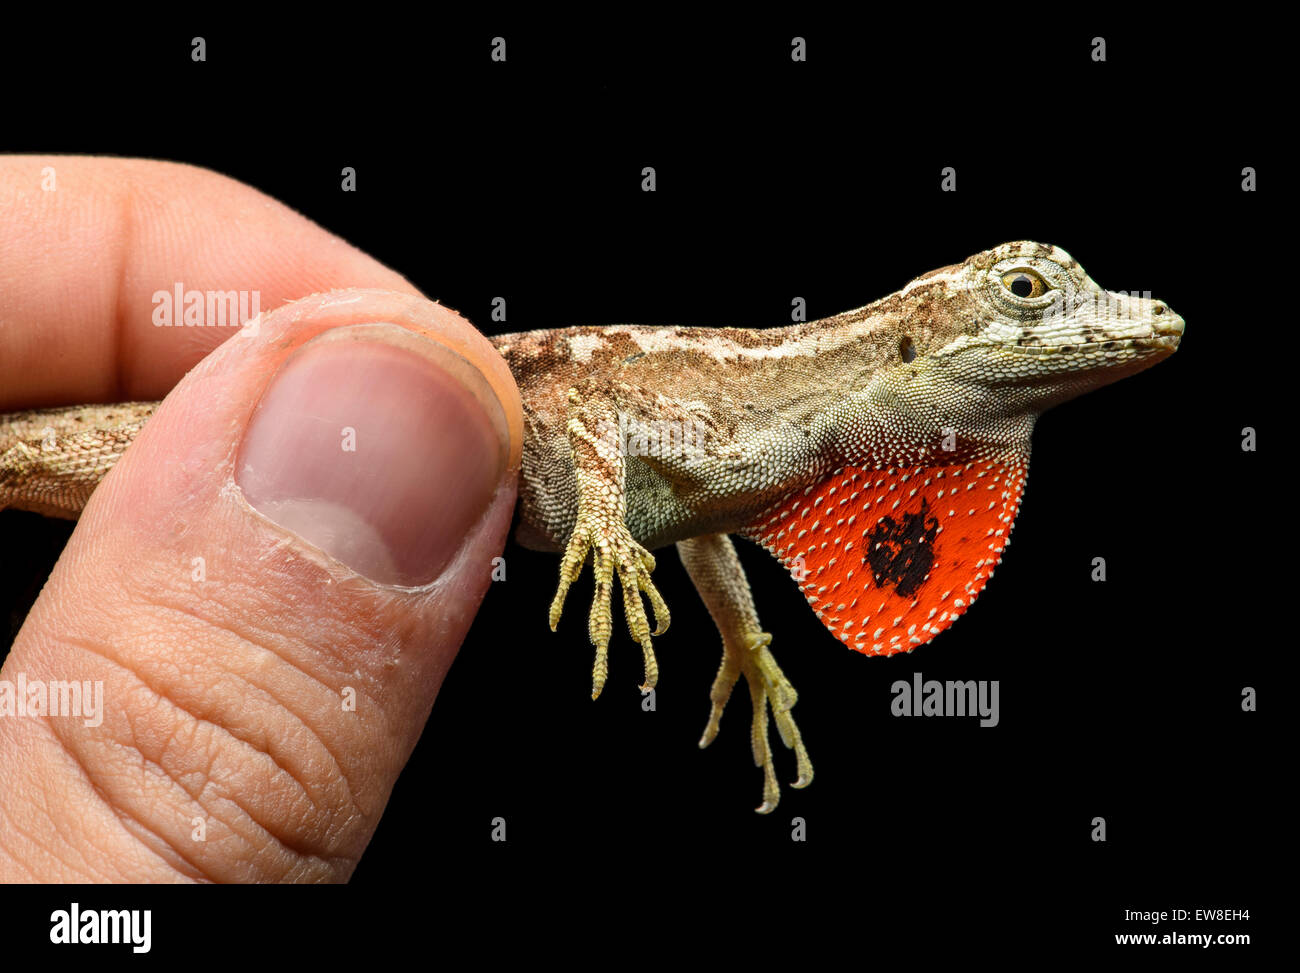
821, 180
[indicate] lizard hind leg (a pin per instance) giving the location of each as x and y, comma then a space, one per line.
601, 529
715, 569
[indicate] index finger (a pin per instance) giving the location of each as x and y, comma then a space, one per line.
86, 245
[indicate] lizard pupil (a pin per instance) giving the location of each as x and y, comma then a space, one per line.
1022, 286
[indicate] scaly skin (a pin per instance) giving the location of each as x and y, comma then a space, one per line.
859, 449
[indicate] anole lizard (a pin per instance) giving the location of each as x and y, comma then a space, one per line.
880, 454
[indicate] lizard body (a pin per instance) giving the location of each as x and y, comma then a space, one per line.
880, 454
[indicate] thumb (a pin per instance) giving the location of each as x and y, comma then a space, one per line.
263, 596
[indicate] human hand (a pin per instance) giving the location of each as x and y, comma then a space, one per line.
271, 584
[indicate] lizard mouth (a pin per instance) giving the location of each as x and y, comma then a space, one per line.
1165, 335
1156, 341
1159, 342
1169, 328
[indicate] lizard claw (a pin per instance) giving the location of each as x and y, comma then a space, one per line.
768, 686
557, 604
614, 552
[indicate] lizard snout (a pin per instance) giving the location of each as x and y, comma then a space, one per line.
1166, 323
1166, 327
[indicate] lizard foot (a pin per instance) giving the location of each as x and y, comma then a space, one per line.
767, 685
614, 550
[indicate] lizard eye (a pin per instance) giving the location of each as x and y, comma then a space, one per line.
1025, 284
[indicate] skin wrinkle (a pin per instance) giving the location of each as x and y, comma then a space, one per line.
207, 809
300, 852
89, 780
223, 797
203, 873
181, 735
143, 832
35, 837
193, 724
266, 645
332, 692
322, 812
86, 646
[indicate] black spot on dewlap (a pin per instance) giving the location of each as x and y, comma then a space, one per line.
901, 554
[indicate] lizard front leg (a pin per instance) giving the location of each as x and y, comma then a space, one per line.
601, 527
715, 569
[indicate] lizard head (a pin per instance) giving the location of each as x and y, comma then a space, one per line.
1024, 318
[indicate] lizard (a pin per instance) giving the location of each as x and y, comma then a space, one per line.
879, 454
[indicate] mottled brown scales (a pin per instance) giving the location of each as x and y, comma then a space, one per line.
51, 460
880, 454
